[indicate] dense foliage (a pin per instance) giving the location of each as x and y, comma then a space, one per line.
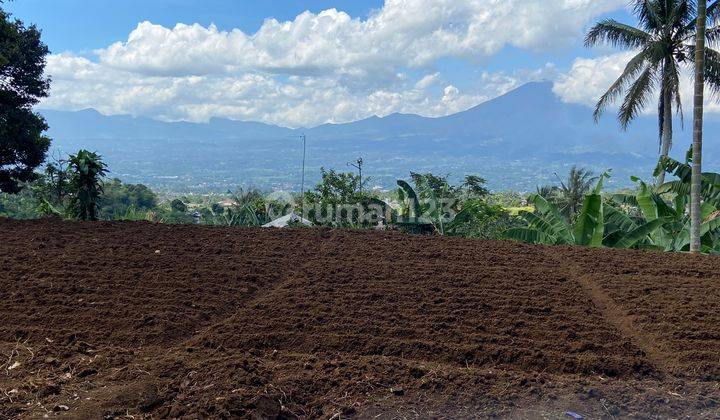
339, 200
434, 205
655, 217
22, 84
597, 224
121, 201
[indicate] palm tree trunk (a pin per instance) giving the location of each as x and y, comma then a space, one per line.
698, 128
667, 130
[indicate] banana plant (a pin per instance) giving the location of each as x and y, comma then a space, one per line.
409, 200
412, 211
710, 182
674, 231
547, 226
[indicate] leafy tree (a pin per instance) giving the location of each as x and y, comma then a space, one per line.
121, 200
338, 187
178, 205
430, 185
22, 62
174, 217
434, 202
475, 186
507, 199
478, 219
87, 169
22, 205
52, 187
338, 200
664, 40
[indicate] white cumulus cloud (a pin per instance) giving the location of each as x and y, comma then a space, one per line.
320, 67
589, 78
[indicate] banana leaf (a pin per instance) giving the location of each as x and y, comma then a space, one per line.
554, 218
589, 229
539, 223
617, 219
638, 234
412, 196
529, 235
646, 202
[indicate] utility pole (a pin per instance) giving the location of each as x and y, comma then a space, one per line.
358, 164
302, 182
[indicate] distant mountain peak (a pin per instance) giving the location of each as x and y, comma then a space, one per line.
542, 89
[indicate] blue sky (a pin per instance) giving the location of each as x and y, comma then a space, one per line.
430, 57
85, 25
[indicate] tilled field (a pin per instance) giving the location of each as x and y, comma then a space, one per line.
117, 319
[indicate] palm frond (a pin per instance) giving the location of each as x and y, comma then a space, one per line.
712, 35
713, 11
648, 13
673, 83
712, 71
633, 67
637, 97
617, 34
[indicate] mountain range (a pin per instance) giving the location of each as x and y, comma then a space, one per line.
517, 141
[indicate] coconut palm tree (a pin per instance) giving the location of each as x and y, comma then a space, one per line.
696, 177
664, 40
572, 191
569, 196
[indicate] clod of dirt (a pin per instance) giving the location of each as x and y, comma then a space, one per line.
48, 390
417, 373
266, 408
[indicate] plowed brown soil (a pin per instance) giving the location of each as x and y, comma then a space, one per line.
137, 319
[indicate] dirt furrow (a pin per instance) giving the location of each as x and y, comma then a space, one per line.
618, 317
